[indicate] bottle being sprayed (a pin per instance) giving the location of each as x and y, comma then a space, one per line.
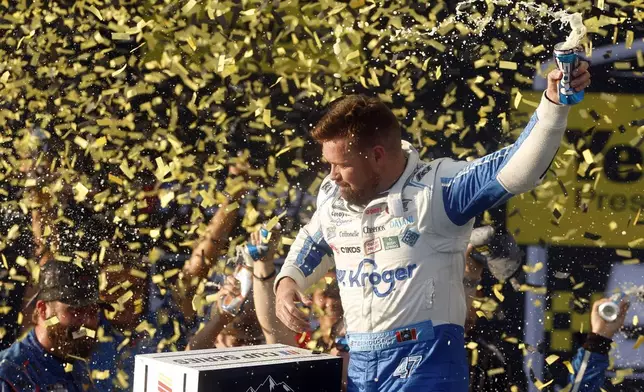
245, 256
567, 61
567, 58
609, 311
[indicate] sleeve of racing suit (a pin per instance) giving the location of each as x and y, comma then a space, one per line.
5, 386
310, 257
590, 364
469, 188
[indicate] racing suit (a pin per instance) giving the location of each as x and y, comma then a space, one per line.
400, 259
590, 364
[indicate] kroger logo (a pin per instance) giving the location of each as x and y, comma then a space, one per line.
386, 278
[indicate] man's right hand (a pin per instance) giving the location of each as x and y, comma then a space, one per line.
286, 296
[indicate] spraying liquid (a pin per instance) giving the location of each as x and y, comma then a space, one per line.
609, 311
535, 11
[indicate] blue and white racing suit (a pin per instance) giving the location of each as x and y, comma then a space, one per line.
400, 259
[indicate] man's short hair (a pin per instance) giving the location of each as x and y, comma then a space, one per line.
365, 121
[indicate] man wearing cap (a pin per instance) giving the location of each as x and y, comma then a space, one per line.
53, 355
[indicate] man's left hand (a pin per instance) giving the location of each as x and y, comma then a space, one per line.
580, 80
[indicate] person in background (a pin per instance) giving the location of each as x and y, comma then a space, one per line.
497, 251
256, 322
494, 250
53, 356
591, 361
136, 327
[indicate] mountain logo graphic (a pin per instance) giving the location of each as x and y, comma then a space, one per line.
270, 385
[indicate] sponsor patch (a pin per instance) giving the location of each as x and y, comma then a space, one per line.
330, 233
423, 172
398, 223
327, 187
350, 249
345, 234
391, 242
383, 282
373, 210
339, 204
406, 335
371, 230
410, 237
372, 246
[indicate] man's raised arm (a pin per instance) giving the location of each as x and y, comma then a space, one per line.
469, 188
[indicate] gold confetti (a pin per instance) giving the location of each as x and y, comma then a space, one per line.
52, 321
494, 372
497, 292
638, 343
69, 367
81, 192
508, 65
517, 99
551, 359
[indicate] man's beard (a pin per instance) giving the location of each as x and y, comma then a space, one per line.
364, 195
65, 345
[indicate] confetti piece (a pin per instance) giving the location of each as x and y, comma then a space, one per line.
267, 117
69, 367
353, 55
166, 198
495, 372
125, 297
81, 192
508, 65
95, 11
638, 343
551, 359
624, 253
232, 207
497, 292
530, 270
517, 100
540, 385
52, 321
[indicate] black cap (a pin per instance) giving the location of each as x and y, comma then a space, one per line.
70, 284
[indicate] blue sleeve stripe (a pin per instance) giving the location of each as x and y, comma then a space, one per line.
475, 188
312, 252
473, 201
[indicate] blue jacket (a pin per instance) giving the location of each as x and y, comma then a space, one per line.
590, 364
26, 366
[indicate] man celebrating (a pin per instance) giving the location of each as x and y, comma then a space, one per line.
397, 229
53, 355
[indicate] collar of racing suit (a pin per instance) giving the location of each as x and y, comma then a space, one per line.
394, 198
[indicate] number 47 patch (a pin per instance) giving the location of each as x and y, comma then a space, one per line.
407, 366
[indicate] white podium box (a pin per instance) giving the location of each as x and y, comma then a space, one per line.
275, 367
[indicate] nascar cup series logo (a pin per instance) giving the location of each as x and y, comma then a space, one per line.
383, 283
